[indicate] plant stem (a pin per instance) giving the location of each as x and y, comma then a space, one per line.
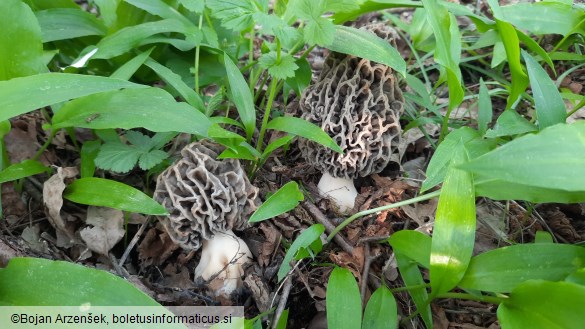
45, 146
379, 209
197, 50
266, 116
486, 299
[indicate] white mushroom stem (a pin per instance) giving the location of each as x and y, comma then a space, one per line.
221, 261
340, 190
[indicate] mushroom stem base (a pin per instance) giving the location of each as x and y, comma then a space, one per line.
222, 259
340, 190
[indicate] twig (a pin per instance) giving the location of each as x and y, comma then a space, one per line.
367, 263
133, 242
329, 227
282, 301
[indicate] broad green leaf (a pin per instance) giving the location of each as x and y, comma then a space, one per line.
161, 9
282, 321
448, 47
412, 277
302, 77
341, 6
108, 193
536, 48
195, 6
542, 237
68, 23
577, 277
437, 168
412, 244
371, 6
454, 230
117, 157
280, 70
485, 111
21, 48
107, 9
151, 108
543, 305
131, 37
545, 18
43, 4
21, 170
177, 83
89, 152
152, 158
304, 240
343, 301
364, 44
235, 15
381, 311
273, 146
22, 95
127, 70
300, 127
510, 123
551, 159
241, 96
511, 42
283, 200
550, 107
502, 269
499, 189
70, 285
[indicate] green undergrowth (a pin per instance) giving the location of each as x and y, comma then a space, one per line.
224, 63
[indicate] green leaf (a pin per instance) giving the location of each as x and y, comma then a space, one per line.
117, 157
343, 301
341, 6
307, 237
499, 189
454, 230
320, 31
68, 23
162, 9
235, 15
302, 77
273, 146
550, 107
283, 200
150, 159
241, 96
485, 111
21, 48
448, 47
502, 269
369, 6
437, 168
128, 69
21, 170
510, 123
151, 108
280, 70
282, 321
195, 6
413, 279
108, 193
381, 311
71, 285
177, 83
22, 95
131, 37
543, 305
414, 245
364, 44
304, 129
545, 18
551, 159
89, 152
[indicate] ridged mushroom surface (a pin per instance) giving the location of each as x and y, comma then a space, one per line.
204, 195
358, 103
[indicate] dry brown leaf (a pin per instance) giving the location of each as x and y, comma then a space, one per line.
156, 248
107, 229
269, 245
177, 277
354, 263
53, 200
32, 236
421, 213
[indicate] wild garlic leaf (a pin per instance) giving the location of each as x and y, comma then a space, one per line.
195, 6
285, 69
340, 6
236, 15
117, 157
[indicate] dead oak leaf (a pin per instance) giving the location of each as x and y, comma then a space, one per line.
53, 200
106, 231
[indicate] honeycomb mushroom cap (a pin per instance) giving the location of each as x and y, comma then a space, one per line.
358, 103
204, 195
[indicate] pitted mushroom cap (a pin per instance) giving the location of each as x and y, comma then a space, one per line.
204, 195
358, 103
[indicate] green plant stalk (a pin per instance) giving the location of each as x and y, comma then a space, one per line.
376, 210
486, 299
197, 50
266, 116
251, 56
45, 146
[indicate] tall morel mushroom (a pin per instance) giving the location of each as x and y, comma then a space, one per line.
206, 198
358, 103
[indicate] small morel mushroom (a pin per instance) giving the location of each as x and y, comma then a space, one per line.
358, 103
206, 198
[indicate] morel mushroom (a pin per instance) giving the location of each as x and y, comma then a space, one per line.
358, 103
206, 198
